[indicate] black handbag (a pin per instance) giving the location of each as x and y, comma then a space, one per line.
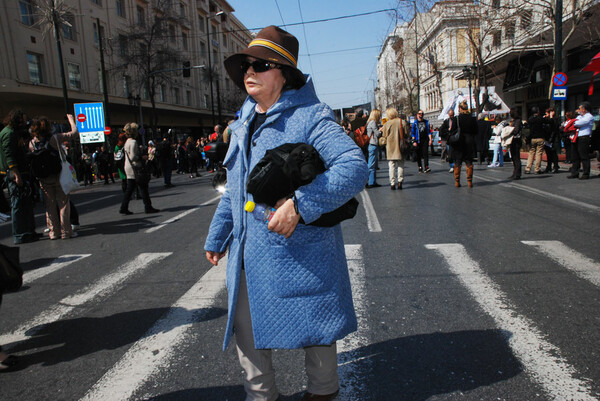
11, 274
456, 136
140, 171
286, 168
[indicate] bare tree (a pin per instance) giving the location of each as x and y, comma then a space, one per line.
150, 54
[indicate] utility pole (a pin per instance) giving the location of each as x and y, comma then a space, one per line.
104, 85
60, 58
210, 71
558, 45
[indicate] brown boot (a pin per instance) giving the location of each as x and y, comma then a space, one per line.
457, 176
470, 176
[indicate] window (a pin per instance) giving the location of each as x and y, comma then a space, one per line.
201, 23
34, 62
202, 49
176, 95
497, 38
141, 17
224, 40
96, 40
172, 37
188, 95
123, 45
206, 101
526, 20
509, 32
120, 6
74, 76
100, 84
127, 85
68, 27
163, 93
26, 7
184, 38
97, 2
182, 10
496, 4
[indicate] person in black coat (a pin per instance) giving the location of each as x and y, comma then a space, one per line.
483, 138
464, 150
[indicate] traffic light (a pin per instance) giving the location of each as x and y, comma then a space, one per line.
186, 69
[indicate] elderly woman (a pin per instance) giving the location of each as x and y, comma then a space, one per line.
464, 150
134, 158
58, 210
288, 283
395, 131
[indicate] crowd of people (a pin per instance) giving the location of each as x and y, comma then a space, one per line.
465, 139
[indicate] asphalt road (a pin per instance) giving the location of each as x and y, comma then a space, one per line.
490, 293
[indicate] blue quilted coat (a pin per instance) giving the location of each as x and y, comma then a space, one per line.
298, 288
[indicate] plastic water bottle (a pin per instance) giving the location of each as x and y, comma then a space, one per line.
260, 212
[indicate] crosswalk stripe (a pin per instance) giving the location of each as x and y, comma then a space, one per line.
57, 264
539, 357
354, 386
142, 361
581, 265
103, 287
372, 220
181, 215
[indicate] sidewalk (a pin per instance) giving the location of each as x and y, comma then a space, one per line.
594, 170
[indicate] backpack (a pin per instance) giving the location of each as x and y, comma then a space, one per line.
44, 160
360, 137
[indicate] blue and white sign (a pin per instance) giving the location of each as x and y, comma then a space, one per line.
90, 122
559, 93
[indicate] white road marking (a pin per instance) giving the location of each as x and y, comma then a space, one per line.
57, 264
353, 384
581, 265
180, 215
372, 220
156, 349
540, 358
102, 288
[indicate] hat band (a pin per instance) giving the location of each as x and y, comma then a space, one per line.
276, 48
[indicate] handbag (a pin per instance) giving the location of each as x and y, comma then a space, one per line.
141, 173
68, 176
456, 136
11, 274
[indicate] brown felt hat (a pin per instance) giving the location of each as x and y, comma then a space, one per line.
271, 44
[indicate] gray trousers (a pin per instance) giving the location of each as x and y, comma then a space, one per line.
320, 361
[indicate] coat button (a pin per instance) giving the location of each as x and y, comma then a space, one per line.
253, 143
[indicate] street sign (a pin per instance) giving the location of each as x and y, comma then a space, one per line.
107, 131
559, 79
90, 122
559, 93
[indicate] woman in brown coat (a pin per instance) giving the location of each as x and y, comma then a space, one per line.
394, 132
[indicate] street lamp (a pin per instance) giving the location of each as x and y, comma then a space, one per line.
467, 71
210, 71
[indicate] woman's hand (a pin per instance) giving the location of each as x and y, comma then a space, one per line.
214, 257
285, 219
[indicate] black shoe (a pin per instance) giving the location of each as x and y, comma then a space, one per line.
9, 363
152, 210
427, 170
393, 187
556, 171
400, 185
539, 172
169, 185
125, 212
573, 176
515, 178
584, 177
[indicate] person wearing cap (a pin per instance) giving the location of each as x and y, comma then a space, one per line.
288, 284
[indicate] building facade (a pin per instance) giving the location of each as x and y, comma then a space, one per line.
153, 89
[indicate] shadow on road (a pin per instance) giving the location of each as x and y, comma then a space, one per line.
67, 340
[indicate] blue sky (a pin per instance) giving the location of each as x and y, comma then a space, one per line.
342, 78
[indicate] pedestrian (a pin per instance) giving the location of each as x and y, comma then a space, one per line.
152, 162
536, 140
120, 159
294, 277
134, 158
15, 169
58, 209
193, 157
395, 131
568, 135
374, 132
499, 124
464, 149
421, 134
359, 125
552, 146
165, 156
581, 150
484, 129
449, 128
516, 143
87, 162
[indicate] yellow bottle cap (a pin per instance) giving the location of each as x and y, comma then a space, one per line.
249, 206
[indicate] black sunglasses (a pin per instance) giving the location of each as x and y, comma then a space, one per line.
257, 66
